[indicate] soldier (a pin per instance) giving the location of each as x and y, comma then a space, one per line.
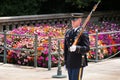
75, 55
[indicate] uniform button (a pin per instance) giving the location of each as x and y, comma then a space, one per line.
70, 39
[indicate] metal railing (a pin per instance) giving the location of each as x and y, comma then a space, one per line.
96, 47
20, 49
96, 42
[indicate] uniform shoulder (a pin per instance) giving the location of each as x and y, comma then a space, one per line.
67, 31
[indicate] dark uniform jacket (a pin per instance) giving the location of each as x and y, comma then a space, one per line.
74, 59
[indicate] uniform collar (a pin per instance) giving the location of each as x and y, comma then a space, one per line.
76, 28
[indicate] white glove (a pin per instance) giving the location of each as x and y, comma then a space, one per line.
73, 48
65, 67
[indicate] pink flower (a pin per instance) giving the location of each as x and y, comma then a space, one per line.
53, 58
46, 58
19, 62
25, 60
92, 52
41, 58
46, 51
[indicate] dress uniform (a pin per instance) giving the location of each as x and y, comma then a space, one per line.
76, 60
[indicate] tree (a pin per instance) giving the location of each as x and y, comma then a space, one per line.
19, 7
81, 3
33, 7
58, 6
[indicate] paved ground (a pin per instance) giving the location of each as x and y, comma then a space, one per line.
107, 70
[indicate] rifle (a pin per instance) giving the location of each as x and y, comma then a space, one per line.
86, 21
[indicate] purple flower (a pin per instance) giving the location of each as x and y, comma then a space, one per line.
43, 64
119, 48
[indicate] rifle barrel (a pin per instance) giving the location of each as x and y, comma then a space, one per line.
86, 21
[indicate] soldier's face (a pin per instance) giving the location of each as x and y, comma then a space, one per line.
76, 23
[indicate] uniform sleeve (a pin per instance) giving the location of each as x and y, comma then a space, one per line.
85, 47
65, 49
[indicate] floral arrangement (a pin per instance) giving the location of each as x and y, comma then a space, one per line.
55, 32
104, 39
23, 42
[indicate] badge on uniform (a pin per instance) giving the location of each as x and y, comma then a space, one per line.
67, 35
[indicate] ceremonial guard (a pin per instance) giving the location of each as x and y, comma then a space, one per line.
75, 55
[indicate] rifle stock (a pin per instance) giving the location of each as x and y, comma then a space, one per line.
86, 21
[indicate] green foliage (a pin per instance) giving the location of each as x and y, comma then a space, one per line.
19, 7
81, 3
33, 7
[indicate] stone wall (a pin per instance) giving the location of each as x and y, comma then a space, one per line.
9, 23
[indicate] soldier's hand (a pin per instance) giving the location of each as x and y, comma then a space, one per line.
65, 67
73, 48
